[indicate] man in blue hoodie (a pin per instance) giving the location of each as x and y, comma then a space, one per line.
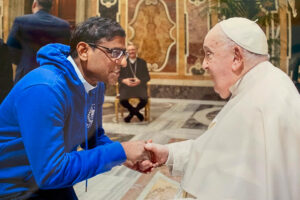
57, 107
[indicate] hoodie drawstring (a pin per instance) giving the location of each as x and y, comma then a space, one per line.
85, 130
96, 116
96, 123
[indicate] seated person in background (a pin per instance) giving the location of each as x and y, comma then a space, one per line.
133, 83
295, 59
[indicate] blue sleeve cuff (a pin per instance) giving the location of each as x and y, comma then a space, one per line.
117, 155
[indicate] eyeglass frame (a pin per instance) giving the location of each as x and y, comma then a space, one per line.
110, 51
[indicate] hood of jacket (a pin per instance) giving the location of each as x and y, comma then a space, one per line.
56, 54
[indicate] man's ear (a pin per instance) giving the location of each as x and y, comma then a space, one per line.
82, 51
34, 6
237, 65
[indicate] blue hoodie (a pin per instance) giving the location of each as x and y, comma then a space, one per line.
42, 122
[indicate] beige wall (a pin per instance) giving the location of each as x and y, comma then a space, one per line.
86, 9
11, 9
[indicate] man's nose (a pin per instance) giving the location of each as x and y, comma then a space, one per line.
122, 62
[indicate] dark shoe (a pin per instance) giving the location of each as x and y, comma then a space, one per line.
140, 116
128, 118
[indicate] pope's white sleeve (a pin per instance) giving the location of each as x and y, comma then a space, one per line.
178, 157
170, 159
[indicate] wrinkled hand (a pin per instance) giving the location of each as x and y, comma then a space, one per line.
145, 166
159, 153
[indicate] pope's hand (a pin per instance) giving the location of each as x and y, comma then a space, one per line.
144, 166
159, 153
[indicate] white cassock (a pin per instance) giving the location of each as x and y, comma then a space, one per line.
252, 149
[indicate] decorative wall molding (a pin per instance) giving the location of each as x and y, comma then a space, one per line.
108, 3
196, 26
154, 34
197, 2
109, 9
149, 2
196, 69
292, 4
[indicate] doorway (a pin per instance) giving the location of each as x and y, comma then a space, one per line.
65, 9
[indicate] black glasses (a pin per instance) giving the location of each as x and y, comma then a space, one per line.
115, 53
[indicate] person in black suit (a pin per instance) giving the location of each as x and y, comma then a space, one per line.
6, 72
133, 83
295, 58
30, 32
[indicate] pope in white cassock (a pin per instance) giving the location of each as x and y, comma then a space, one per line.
251, 150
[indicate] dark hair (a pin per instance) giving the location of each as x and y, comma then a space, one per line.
93, 30
45, 4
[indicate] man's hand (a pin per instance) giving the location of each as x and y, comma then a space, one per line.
145, 166
131, 82
136, 154
136, 81
138, 158
135, 151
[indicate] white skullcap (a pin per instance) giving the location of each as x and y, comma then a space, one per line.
246, 33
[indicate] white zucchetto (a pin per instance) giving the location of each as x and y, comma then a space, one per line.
246, 33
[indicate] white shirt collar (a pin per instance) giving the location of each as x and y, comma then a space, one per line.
132, 60
238, 86
234, 87
88, 87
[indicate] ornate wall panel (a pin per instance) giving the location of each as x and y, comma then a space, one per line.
152, 26
197, 25
109, 9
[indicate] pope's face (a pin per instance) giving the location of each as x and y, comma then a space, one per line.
101, 66
218, 61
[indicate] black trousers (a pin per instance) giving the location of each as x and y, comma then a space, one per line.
55, 194
294, 65
132, 110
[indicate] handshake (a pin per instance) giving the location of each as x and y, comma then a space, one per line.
144, 156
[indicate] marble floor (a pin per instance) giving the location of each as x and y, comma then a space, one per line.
171, 121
